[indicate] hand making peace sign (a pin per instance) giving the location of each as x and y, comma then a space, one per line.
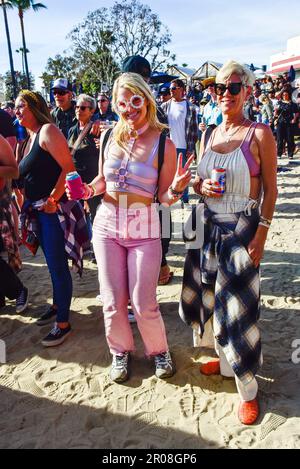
183, 174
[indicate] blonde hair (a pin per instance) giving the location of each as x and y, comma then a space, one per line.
231, 67
136, 85
37, 106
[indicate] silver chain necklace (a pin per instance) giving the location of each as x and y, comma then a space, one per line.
228, 135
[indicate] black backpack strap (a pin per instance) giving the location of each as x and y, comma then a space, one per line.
104, 143
161, 151
208, 133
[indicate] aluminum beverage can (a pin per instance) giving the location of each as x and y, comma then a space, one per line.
74, 184
218, 175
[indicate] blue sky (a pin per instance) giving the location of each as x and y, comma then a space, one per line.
215, 29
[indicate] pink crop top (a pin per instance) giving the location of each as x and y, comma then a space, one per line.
131, 176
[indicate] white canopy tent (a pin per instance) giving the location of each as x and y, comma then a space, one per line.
208, 69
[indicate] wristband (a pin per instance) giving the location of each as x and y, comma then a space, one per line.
174, 194
265, 221
266, 225
52, 200
93, 186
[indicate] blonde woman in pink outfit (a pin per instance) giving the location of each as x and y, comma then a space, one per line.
126, 231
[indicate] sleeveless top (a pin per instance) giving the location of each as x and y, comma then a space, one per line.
240, 166
40, 172
133, 177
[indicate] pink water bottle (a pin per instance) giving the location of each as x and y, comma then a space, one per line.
75, 185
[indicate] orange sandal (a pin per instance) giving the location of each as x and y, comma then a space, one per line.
210, 368
248, 412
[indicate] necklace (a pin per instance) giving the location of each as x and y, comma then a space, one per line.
134, 134
228, 135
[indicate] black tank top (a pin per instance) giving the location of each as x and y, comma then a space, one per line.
40, 172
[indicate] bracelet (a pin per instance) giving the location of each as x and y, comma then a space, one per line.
266, 225
266, 221
174, 194
93, 186
52, 200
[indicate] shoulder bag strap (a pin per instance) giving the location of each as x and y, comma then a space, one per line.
81, 136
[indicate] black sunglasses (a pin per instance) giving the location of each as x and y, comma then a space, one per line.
102, 100
82, 108
60, 92
233, 88
175, 88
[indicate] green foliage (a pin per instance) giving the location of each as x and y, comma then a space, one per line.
21, 83
105, 38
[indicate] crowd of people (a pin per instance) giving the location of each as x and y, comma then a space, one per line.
133, 151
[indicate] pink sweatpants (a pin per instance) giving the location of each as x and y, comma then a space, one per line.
129, 262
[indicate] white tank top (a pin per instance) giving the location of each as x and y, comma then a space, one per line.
236, 197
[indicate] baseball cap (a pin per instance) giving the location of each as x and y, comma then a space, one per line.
62, 84
164, 90
137, 64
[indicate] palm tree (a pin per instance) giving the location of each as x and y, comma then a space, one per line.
21, 51
5, 5
22, 6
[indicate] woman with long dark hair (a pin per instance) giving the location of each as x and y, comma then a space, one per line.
58, 224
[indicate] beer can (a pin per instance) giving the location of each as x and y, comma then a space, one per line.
218, 175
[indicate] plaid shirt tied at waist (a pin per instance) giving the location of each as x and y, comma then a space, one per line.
221, 279
72, 220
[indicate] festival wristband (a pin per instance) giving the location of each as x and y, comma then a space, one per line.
174, 194
265, 221
52, 200
261, 223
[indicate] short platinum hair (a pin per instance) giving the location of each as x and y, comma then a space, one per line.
87, 99
231, 67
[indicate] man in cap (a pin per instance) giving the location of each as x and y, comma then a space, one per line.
137, 64
64, 113
164, 94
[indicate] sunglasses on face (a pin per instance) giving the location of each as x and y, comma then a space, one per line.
172, 88
82, 108
102, 100
233, 88
136, 102
59, 92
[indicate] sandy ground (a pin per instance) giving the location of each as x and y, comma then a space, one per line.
63, 398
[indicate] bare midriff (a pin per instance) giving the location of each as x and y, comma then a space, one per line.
126, 200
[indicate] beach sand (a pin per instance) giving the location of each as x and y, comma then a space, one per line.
62, 397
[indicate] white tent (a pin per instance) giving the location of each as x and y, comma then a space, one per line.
208, 69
